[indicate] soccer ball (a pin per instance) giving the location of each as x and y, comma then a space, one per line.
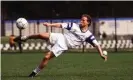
21, 23
105, 53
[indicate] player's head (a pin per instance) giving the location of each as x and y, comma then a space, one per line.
85, 20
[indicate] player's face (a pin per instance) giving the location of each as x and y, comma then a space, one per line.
84, 22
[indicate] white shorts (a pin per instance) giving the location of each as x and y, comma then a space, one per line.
57, 43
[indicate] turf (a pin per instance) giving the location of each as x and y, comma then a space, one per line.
68, 67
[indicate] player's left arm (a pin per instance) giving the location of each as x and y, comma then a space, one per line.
92, 40
98, 47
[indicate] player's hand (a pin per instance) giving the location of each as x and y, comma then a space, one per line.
104, 57
46, 24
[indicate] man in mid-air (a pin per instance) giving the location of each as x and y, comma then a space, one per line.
60, 42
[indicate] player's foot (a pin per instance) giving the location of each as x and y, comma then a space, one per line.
33, 74
23, 38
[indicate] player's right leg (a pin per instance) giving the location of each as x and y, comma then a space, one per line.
44, 36
49, 55
58, 47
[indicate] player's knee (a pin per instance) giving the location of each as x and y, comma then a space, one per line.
47, 57
40, 35
43, 36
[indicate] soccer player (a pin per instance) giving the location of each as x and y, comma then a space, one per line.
60, 42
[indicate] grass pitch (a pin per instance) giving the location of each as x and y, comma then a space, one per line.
68, 67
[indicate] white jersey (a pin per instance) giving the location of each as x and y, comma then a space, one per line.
75, 37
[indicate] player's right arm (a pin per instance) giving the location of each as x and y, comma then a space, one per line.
58, 25
67, 26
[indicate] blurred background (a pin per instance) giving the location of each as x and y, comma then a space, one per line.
112, 22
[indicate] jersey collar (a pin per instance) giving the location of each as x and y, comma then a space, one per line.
81, 29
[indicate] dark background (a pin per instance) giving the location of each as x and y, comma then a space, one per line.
65, 9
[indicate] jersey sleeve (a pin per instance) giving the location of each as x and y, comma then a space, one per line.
92, 40
67, 26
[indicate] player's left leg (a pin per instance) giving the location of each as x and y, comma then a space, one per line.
39, 36
44, 36
49, 55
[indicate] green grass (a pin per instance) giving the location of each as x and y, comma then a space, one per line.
68, 67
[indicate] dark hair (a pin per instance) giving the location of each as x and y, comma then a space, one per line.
88, 18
